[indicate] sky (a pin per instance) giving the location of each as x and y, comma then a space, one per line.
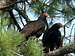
32, 16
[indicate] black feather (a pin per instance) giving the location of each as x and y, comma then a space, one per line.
52, 37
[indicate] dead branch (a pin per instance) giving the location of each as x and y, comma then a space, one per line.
6, 3
63, 50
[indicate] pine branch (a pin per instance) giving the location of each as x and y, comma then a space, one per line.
23, 15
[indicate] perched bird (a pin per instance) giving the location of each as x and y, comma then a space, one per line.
52, 38
35, 27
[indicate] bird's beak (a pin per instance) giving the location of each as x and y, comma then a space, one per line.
62, 26
66, 26
48, 16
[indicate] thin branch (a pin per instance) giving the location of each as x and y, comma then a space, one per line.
70, 20
21, 19
23, 15
15, 22
71, 29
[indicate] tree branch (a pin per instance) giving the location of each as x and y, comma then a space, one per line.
70, 20
23, 15
10, 4
15, 22
63, 50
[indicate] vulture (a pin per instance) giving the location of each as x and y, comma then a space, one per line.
52, 38
35, 27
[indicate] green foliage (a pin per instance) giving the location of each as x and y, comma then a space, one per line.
32, 48
5, 19
8, 42
36, 8
4, 22
68, 12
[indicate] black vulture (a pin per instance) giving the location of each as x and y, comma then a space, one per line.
52, 38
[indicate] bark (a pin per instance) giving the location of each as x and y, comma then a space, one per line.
63, 50
6, 3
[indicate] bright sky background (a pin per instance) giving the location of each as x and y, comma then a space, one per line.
32, 16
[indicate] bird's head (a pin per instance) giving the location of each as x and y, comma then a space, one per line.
60, 25
57, 25
45, 14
